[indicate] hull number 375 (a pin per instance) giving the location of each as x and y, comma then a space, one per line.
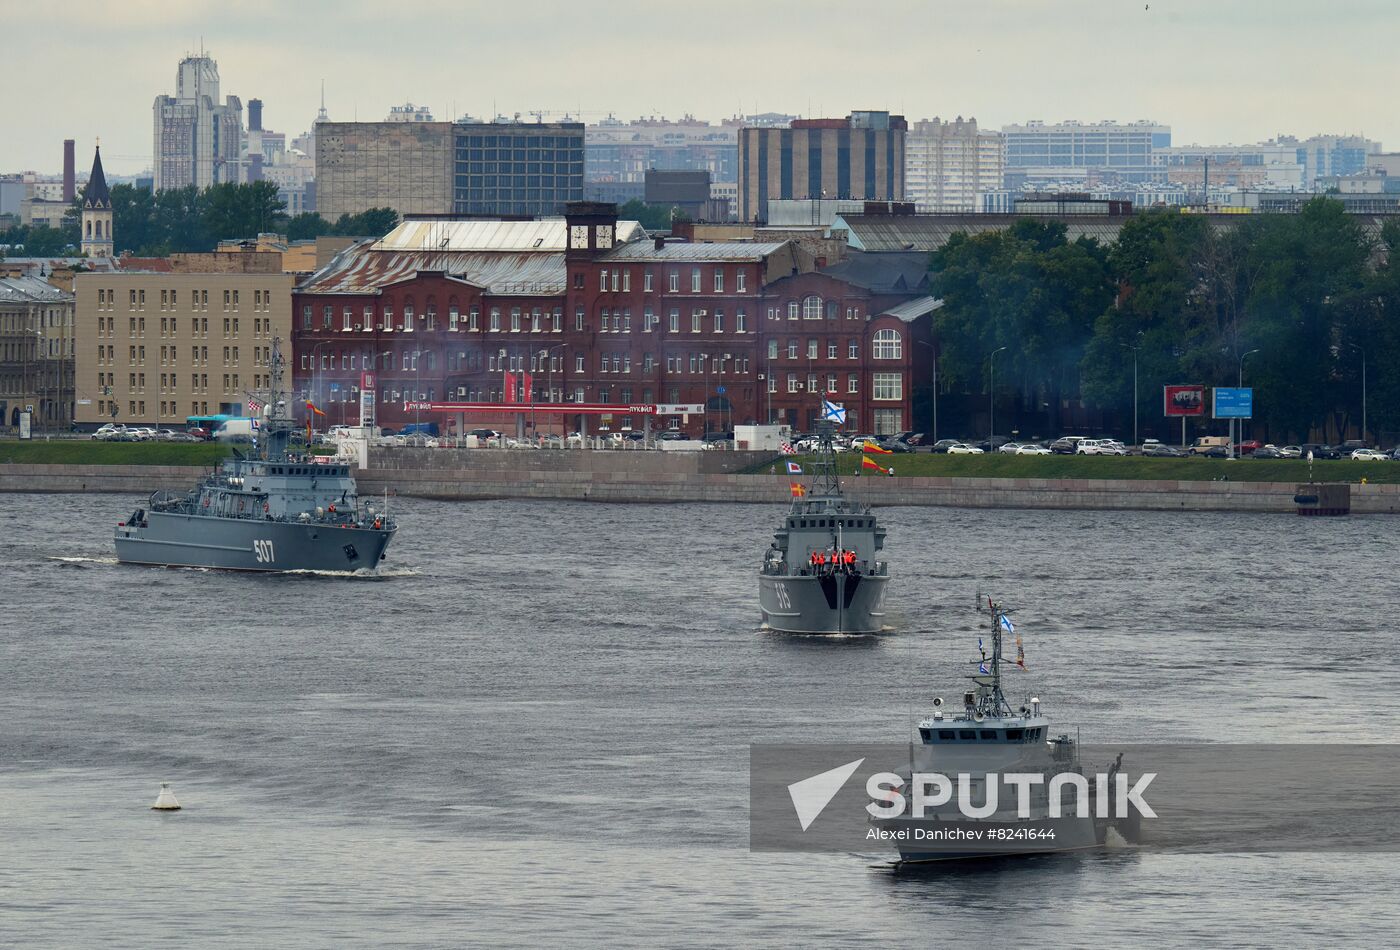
262, 550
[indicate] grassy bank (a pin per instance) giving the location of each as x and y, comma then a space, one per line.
1128, 467
87, 452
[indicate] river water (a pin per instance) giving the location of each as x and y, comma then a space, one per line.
532, 728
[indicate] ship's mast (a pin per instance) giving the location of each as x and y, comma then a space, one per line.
279, 423
825, 481
989, 699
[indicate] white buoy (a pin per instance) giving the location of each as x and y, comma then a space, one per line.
165, 801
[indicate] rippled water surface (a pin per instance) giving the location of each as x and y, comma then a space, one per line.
532, 727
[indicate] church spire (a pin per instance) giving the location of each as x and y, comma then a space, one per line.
96, 195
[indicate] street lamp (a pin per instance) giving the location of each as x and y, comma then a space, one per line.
1358, 349
1233, 447
1134, 347
992, 398
933, 355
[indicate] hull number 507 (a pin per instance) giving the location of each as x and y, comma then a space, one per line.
262, 550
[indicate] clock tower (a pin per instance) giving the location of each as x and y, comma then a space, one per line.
592, 229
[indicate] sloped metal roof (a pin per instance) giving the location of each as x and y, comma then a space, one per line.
912, 310
883, 272
928, 232
361, 269
540, 234
30, 290
696, 252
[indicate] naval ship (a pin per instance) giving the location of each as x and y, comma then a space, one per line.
822, 573
991, 738
274, 511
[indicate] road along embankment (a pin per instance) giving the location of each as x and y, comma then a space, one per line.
665, 477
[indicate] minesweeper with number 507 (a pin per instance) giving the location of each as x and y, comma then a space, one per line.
278, 511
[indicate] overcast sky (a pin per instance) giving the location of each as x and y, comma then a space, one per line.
1217, 72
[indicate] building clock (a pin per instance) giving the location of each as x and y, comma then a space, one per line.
605, 235
578, 236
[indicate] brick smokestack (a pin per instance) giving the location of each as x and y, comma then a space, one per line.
70, 172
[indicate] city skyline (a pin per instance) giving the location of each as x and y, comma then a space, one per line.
1238, 75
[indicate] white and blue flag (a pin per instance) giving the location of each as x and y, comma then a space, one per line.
1007, 625
833, 412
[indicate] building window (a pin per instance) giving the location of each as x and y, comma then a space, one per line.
495, 319
831, 383
345, 319
812, 308
603, 280
794, 309
615, 275
675, 321
695, 280
741, 322
793, 385
832, 349
578, 363
719, 321
792, 349
696, 316
578, 319
719, 280
646, 281
772, 383
306, 317
812, 382
535, 320
674, 282
853, 383
853, 349
889, 345
474, 318
772, 349
811, 349
887, 386
739, 281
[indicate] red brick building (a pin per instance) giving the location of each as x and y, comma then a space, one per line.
595, 312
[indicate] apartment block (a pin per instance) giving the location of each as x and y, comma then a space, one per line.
156, 347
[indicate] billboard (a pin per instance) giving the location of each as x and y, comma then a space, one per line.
1233, 403
1183, 401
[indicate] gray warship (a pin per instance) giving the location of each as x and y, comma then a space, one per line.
986, 739
274, 511
822, 574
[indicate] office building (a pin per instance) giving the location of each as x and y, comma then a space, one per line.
491, 168
860, 157
197, 139
623, 152
158, 346
948, 166
1075, 152
36, 353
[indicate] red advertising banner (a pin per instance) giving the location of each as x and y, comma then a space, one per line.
1183, 401
527, 387
509, 392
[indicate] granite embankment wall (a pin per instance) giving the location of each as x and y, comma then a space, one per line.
618, 476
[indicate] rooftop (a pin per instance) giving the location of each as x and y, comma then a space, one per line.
30, 290
471, 234
698, 252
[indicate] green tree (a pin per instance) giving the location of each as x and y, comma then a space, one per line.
307, 226
231, 211
375, 222
651, 217
1376, 330
1025, 288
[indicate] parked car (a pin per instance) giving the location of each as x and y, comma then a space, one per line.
1266, 452
895, 446
942, 445
993, 443
672, 435
1289, 452
910, 438
1099, 447
1065, 445
1033, 448
1248, 447
1369, 455
1009, 448
1318, 451
1160, 450
962, 448
1216, 452
108, 432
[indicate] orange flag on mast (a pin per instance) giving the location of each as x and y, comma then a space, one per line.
798, 490
868, 462
877, 450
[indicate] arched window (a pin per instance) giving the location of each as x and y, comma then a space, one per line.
88, 226
812, 308
889, 345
